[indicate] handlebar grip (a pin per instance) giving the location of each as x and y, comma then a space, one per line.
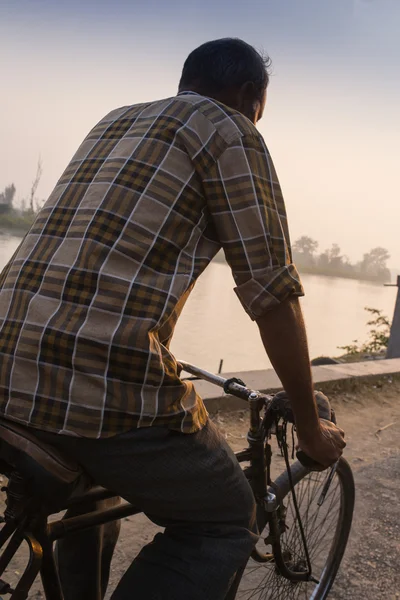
308, 462
325, 412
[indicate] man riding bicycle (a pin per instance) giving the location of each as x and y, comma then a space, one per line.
88, 305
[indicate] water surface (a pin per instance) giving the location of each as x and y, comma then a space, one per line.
214, 325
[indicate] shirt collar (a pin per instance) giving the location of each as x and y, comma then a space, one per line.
188, 92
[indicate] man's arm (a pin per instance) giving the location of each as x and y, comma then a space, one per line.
284, 337
248, 212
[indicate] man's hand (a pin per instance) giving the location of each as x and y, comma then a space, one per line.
324, 445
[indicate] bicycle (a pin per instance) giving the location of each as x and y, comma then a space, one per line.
304, 515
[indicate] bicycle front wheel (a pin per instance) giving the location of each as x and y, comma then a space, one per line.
326, 527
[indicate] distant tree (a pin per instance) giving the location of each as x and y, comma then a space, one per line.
374, 264
335, 257
33, 203
7, 198
306, 245
347, 268
20, 219
331, 259
304, 250
323, 260
332, 262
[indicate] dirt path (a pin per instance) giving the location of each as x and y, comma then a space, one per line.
370, 569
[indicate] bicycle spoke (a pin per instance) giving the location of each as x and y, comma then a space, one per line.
320, 525
317, 529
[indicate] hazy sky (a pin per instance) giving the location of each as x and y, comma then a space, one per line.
333, 116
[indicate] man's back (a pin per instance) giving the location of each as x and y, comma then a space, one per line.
89, 302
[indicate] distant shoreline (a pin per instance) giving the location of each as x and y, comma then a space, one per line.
305, 271
220, 259
20, 233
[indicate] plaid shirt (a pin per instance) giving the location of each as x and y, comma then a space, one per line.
89, 301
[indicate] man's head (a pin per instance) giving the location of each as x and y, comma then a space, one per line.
230, 71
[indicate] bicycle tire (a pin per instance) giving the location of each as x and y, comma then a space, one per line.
274, 586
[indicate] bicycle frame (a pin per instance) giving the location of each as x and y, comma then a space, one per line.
40, 535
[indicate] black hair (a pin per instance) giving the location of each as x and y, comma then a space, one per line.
223, 64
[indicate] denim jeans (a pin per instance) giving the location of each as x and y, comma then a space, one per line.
192, 485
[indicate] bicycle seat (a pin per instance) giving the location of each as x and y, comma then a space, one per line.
51, 477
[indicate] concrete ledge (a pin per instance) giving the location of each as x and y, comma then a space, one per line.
325, 378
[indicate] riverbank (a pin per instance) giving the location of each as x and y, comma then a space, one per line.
344, 275
16, 233
15, 224
220, 258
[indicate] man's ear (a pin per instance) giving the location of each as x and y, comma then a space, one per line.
247, 100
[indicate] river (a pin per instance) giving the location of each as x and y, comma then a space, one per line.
213, 324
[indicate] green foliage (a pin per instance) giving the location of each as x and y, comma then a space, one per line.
351, 349
7, 198
378, 339
19, 220
305, 245
379, 336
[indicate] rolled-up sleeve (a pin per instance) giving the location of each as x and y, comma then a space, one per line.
247, 209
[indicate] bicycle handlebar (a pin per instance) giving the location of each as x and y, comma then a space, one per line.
236, 387
201, 373
233, 386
